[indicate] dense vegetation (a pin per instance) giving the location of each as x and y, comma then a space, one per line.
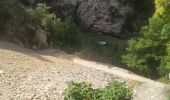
19, 19
83, 91
11, 9
150, 51
58, 33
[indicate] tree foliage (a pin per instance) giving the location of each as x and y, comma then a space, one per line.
68, 35
59, 33
150, 52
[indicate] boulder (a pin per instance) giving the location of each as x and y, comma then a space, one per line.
41, 38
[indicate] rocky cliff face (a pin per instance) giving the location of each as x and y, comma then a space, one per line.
107, 16
117, 17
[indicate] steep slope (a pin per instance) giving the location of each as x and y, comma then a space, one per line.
41, 75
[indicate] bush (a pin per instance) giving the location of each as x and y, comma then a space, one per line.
83, 91
116, 91
68, 35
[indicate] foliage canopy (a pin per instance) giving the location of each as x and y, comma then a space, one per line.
150, 52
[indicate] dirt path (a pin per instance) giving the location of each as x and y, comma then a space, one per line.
148, 90
43, 75
115, 71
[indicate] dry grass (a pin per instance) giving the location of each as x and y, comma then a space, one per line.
134, 83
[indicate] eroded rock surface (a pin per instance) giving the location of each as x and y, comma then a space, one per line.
113, 17
107, 16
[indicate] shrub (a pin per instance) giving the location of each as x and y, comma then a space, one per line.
68, 35
83, 91
116, 91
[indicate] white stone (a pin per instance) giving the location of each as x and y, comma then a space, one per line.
1, 72
102, 43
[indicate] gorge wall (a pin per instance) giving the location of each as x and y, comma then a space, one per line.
115, 17
107, 16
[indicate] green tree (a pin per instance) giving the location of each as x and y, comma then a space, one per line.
59, 33
149, 52
40, 16
68, 35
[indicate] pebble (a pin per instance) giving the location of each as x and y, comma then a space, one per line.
1, 72
16, 86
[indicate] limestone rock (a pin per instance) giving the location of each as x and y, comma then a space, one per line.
41, 37
107, 16
1, 72
114, 17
